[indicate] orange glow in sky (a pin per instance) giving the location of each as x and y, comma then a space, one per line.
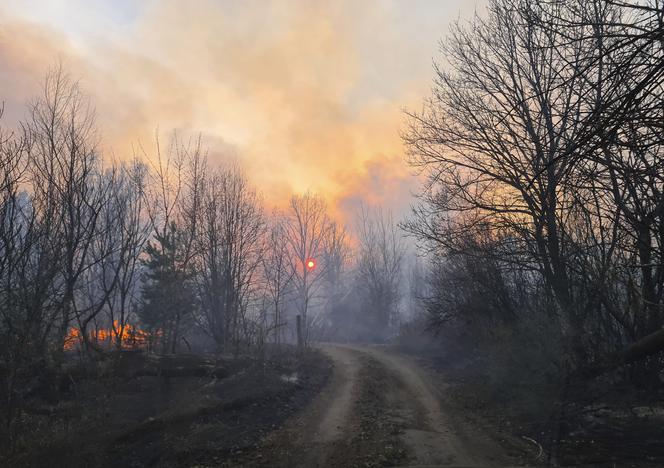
305, 94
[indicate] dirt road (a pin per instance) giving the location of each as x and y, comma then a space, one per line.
380, 409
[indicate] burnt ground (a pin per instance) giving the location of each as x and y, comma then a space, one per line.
340, 406
607, 425
112, 421
598, 425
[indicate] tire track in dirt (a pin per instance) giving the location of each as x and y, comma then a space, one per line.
337, 405
310, 438
379, 409
428, 434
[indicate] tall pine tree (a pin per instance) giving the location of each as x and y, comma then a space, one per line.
168, 297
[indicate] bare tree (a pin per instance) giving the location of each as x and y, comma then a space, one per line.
379, 269
173, 192
542, 143
306, 231
228, 253
622, 150
490, 138
25, 315
337, 285
127, 233
69, 192
277, 272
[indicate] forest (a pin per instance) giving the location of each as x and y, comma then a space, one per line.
543, 206
543, 210
166, 253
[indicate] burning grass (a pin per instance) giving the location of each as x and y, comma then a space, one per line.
118, 335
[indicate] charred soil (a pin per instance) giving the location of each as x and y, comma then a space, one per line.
142, 420
594, 424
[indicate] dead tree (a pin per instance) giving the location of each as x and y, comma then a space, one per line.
380, 255
69, 193
490, 137
545, 130
120, 245
277, 272
621, 143
306, 230
337, 282
228, 253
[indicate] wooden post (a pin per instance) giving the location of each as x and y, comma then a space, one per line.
298, 320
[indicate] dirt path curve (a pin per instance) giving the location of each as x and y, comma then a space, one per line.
379, 409
338, 400
428, 432
313, 437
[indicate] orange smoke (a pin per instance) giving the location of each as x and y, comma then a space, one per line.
305, 94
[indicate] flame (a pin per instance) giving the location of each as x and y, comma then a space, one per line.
131, 336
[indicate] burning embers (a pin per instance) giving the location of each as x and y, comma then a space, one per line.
124, 336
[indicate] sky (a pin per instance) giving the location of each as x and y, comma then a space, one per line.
306, 95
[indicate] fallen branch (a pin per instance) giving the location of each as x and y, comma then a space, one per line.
637, 351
